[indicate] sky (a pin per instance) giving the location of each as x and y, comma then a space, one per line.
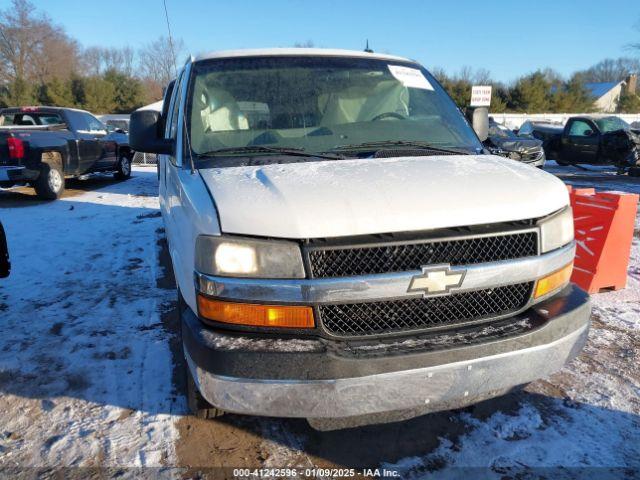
509, 39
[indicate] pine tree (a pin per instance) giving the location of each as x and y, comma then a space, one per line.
98, 94
629, 103
532, 94
128, 91
56, 93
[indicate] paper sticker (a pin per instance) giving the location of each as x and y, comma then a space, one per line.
410, 77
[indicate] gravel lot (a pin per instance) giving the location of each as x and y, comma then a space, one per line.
91, 376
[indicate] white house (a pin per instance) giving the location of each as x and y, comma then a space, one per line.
606, 94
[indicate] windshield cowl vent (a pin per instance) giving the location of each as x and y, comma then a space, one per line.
410, 152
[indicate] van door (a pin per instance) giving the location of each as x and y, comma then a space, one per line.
178, 181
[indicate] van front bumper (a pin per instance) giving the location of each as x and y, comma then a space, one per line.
320, 378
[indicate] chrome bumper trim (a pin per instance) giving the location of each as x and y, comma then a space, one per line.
433, 389
378, 287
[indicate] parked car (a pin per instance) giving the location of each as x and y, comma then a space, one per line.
44, 145
355, 251
546, 132
115, 122
503, 141
598, 141
5, 264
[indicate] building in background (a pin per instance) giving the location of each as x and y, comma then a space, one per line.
607, 94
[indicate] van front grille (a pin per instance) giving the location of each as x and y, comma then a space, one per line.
346, 261
377, 318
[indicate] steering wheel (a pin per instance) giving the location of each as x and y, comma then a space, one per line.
384, 115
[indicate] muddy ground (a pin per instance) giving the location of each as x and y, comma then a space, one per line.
126, 409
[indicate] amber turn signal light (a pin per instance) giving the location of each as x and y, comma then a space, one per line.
553, 281
255, 315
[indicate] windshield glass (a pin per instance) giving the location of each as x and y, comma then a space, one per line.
611, 124
319, 104
498, 130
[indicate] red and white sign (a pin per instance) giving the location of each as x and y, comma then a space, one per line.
480, 96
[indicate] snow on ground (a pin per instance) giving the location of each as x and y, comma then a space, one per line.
85, 366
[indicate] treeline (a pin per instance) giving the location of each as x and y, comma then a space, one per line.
544, 91
41, 64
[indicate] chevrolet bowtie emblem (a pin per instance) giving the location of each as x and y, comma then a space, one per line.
436, 280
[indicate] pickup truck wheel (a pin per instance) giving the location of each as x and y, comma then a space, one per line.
199, 407
123, 169
559, 162
50, 182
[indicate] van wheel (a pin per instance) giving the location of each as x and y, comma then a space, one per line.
50, 182
123, 168
197, 404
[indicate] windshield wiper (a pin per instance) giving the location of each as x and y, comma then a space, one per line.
398, 143
298, 152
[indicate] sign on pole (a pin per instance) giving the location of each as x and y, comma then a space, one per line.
480, 96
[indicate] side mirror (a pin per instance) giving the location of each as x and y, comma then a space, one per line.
588, 133
479, 118
144, 133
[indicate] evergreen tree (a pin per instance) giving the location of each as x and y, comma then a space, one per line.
531, 94
56, 93
128, 91
629, 103
572, 96
98, 95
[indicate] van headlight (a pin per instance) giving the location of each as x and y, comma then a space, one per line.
557, 230
247, 257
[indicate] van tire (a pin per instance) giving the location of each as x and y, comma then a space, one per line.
50, 182
198, 406
123, 167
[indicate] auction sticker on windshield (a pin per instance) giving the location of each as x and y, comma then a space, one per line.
410, 77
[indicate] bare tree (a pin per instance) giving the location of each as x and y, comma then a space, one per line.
32, 49
98, 60
158, 62
307, 44
610, 70
635, 46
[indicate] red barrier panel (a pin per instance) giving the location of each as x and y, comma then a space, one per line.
603, 223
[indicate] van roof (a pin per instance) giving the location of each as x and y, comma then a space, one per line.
317, 52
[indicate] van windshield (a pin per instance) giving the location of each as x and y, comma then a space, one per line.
319, 104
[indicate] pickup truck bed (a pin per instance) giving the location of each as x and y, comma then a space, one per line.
42, 146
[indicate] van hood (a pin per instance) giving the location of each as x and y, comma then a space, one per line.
365, 196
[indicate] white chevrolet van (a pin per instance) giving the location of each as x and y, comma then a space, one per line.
343, 245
